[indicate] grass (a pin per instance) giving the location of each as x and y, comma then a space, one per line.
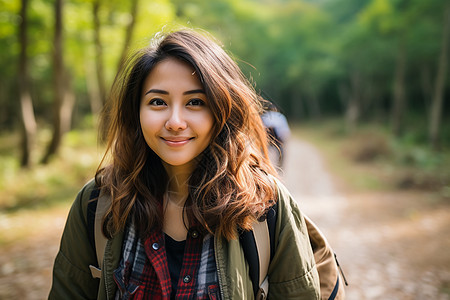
44, 185
44, 191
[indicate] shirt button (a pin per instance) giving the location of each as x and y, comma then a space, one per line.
194, 234
155, 246
187, 279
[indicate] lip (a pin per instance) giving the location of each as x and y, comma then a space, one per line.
176, 141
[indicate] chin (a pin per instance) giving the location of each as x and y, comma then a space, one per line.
179, 163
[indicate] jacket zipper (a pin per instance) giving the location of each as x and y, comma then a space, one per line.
106, 273
219, 273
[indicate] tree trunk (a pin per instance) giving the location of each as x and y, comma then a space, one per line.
67, 105
99, 51
351, 114
372, 107
26, 104
95, 99
128, 33
438, 95
353, 108
399, 105
63, 101
314, 106
296, 108
427, 87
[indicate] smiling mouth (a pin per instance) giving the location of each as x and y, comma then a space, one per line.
176, 141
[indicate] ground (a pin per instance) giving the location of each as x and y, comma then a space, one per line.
391, 245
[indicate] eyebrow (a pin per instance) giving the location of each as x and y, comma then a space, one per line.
157, 91
198, 91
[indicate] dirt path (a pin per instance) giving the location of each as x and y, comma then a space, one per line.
390, 245
26, 264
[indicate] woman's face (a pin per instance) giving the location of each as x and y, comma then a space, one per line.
175, 117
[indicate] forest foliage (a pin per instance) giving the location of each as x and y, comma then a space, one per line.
383, 62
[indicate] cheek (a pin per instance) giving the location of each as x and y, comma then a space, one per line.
148, 122
148, 131
211, 126
141, 118
208, 126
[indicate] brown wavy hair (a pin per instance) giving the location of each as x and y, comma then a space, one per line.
230, 187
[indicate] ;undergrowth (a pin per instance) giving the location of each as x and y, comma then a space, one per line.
44, 185
370, 158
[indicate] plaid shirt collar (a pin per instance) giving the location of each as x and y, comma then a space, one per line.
143, 272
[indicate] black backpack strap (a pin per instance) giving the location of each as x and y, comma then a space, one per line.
271, 223
248, 243
91, 209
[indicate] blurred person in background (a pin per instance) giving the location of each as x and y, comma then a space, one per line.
279, 133
186, 171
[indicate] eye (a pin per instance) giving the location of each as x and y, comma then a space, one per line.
157, 102
196, 102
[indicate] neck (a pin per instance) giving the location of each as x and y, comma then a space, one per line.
175, 200
177, 190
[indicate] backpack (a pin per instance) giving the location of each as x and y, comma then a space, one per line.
258, 246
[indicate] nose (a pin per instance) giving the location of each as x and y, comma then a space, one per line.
176, 120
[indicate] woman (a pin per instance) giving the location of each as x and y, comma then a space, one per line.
186, 169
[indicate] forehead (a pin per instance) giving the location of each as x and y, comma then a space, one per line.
172, 72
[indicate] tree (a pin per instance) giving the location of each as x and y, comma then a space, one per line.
99, 51
399, 91
63, 96
389, 20
26, 103
128, 33
438, 95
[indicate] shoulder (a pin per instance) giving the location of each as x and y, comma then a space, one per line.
290, 219
88, 188
283, 196
72, 278
292, 271
87, 192
75, 233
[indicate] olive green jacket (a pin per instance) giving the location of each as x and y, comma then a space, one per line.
292, 271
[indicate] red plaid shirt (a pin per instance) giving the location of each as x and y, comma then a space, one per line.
155, 280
